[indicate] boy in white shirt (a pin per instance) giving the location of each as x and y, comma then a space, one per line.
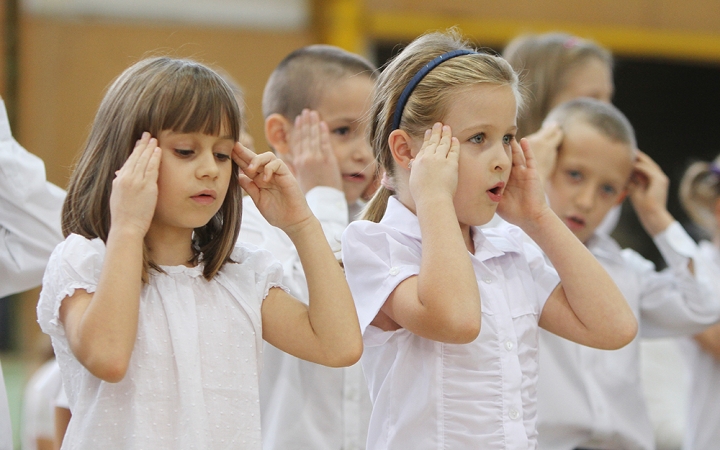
590, 398
314, 104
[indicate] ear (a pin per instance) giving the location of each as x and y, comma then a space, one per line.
401, 147
277, 133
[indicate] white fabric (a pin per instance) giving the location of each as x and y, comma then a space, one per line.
6, 441
39, 405
192, 381
703, 419
306, 405
593, 398
29, 214
431, 395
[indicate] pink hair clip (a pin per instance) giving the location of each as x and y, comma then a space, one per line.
571, 42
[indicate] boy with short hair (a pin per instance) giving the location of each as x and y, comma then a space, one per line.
315, 104
590, 398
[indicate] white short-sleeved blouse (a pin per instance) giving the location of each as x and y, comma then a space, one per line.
431, 395
192, 382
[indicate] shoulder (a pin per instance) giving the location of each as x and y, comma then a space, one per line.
251, 256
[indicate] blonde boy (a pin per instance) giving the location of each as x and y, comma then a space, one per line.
591, 398
315, 104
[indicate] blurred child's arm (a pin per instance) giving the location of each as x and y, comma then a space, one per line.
442, 302
545, 143
587, 307
648, 193
30, 209
709, 340
102, 327
326, 331
313, 158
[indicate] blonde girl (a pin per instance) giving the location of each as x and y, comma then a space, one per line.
700, 197
450, 312
155, 315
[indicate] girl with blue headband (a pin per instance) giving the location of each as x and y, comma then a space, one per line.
449, 311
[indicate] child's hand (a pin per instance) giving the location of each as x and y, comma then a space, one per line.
134, 189
312, 155
523, 200
434, 170
272, 187
545, 143
648, 191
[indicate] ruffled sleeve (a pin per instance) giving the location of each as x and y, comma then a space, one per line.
75, 263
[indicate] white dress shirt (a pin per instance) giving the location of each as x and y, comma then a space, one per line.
306, 405
703, 419
29, 214
431, 395
39, 405
593, 398
192, 380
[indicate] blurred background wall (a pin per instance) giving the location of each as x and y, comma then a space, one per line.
58, 56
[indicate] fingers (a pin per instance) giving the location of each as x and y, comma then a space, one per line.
242, 155
144, 160
521, 153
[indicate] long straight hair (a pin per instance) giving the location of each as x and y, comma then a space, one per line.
153, 95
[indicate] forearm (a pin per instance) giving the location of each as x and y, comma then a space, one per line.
104, 333
447, 287
331, 310
605, 318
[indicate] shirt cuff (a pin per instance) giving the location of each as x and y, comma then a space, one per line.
328, 205
676, 246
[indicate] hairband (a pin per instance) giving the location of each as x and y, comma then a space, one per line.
714, 169
418, 77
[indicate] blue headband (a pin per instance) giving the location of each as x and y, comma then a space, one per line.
418, 78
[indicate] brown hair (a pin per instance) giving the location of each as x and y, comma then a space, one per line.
298, 81
603, 117
153, 95
699, 190
429, 101
543, 62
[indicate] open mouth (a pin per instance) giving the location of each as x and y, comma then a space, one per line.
495, 192
575, 222
354, 177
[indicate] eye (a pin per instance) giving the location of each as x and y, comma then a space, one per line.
508, 138
182, 152
341, 131
608, 190
574, 175
222, 157
478, 138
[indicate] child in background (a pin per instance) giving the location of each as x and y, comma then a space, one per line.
700, 195
29, 230
589, 398
156, 316
315, 106
423, 273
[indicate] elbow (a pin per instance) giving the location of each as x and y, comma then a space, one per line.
106, 367
623, 335
462, 331
348, 356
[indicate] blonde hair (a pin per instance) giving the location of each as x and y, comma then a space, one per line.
544, 62
430, 100
153, 95
699, 191
603, 117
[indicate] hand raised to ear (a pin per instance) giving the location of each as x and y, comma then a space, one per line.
313, 158
134, 189
272, 187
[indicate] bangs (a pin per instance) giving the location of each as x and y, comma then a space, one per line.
196, 100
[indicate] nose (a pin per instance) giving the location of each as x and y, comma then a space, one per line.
585, 197
207, 165
362, 151
502, 158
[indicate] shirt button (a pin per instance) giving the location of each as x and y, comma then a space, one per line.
487, 280
514, 414
509, 345
394, 271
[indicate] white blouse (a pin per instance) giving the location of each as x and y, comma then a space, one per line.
192, 382
431, 395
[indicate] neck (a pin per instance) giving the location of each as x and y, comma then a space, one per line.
169, 247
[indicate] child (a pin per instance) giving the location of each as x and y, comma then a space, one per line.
589, 398
29, 230
444, 121
155, 316
314, 104
699, 195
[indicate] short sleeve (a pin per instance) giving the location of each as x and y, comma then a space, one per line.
376, 260
267, 270
75, 263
